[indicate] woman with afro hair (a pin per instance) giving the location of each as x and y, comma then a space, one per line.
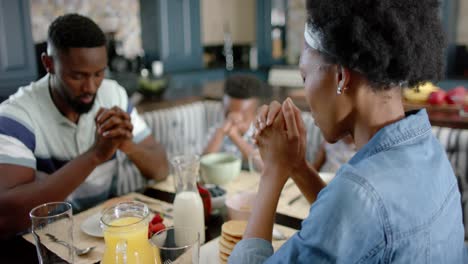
396, 200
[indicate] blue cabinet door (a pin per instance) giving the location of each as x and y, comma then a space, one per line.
17, 59
171, 33
264, 33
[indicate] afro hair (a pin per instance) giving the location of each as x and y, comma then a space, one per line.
391, 42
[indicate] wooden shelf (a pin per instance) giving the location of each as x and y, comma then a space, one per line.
430, 108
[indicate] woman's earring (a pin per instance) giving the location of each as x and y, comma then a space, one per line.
339, 90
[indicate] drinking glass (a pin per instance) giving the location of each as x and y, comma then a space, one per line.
176, 245
52, 222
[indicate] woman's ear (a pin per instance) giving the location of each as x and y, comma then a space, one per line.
48, 63
343, 76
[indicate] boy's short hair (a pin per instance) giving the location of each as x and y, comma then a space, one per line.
242, 86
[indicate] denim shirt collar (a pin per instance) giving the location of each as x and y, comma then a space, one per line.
416, 123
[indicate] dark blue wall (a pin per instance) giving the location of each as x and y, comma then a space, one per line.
17, 56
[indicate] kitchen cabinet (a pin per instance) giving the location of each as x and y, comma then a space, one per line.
237, 15
264, 33
171, 33
175, 31
17, 55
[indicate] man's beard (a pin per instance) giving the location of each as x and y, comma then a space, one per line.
78, 106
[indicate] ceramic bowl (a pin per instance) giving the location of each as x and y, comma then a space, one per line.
219, 168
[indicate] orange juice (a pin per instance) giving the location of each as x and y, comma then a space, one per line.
128, 235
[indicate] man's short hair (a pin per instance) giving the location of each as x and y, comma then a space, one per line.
75, 31
242, 86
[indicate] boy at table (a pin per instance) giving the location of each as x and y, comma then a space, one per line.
240, 101
59, 136
330, 157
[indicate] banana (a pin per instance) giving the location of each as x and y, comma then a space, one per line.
419, 95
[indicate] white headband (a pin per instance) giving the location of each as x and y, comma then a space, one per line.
313, 38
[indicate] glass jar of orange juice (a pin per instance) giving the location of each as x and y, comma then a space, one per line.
125, 228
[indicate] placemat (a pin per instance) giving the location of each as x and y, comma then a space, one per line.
82, 240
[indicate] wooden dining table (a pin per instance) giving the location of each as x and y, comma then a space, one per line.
18, 250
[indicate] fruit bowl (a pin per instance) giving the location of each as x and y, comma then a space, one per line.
218, 196
153, 88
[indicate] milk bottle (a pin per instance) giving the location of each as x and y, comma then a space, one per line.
188, 205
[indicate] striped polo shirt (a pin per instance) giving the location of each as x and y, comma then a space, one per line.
34, 134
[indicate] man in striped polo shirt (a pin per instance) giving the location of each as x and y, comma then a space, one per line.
59, 136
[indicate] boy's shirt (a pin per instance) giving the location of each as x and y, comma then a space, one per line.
229, 146
337, 154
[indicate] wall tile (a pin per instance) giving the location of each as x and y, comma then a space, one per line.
123, 15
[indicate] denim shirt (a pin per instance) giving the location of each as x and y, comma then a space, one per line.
395, 201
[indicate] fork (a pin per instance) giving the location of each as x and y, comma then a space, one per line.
164, 207
295, 199
78, 251
165, 210
164, 215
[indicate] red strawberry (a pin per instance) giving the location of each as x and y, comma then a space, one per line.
157, 227
157, 219
206, 198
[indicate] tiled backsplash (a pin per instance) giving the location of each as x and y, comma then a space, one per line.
121, 16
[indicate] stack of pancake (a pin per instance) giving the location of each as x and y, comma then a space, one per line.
231, 233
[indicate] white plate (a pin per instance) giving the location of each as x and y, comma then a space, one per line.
92, 225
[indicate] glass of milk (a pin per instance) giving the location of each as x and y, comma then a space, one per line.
188, 205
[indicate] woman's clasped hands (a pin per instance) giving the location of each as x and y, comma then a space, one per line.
281, 138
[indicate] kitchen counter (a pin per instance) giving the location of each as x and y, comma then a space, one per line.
184, 87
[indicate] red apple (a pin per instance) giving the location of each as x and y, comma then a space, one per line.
456, 95
437, 97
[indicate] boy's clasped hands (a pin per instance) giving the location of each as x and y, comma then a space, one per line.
230, 126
